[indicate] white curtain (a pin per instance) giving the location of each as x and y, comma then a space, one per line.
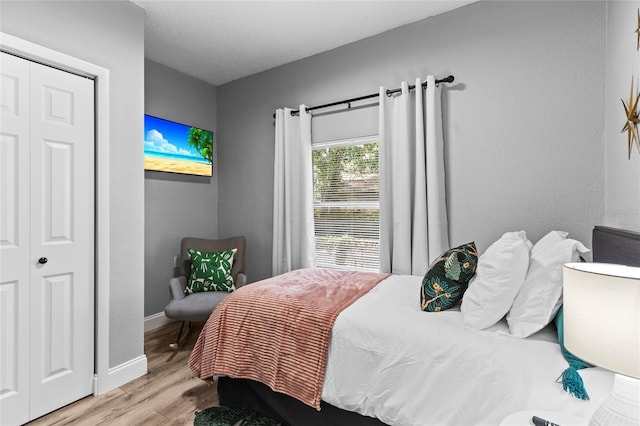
413, 215
293, 233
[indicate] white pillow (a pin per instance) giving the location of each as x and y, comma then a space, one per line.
500, 273
540, 297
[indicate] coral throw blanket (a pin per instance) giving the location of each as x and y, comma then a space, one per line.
277, 331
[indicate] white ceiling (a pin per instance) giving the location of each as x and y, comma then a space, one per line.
220, 41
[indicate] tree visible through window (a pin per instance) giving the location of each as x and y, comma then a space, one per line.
346, 203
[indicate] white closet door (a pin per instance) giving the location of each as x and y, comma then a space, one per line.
59, 279
14, 240
62, 231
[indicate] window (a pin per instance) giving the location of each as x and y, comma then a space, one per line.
346, 204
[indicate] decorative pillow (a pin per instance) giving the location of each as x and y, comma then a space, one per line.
447, 278
499, 276
541, 294
210, 271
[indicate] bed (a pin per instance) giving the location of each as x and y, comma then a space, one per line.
445, 373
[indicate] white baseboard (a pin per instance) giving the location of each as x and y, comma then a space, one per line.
132, 369
120, 374
156, 320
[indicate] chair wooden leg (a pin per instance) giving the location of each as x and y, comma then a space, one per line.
174, 346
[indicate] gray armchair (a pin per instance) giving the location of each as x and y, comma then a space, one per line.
198, 306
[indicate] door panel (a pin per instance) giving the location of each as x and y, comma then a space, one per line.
57, 326
9, 190
58, 193
14, 240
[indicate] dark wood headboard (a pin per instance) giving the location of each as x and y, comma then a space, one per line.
611, 245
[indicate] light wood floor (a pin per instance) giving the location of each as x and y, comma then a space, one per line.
168, 394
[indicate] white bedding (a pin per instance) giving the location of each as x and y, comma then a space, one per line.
390, 360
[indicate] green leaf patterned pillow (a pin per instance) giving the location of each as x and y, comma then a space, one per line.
210, 271
448, 278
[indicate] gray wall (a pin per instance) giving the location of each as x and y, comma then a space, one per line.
111, 35
176, 206
622, 207
523, 122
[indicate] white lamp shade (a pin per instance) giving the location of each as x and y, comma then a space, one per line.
602, 315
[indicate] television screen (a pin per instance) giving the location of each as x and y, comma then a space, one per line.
177, 148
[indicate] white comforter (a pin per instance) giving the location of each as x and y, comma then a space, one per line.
389, 360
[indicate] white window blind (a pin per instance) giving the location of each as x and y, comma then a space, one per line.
346, 204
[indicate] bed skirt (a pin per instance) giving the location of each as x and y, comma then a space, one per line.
259, 397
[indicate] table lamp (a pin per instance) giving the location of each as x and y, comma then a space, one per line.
602, 327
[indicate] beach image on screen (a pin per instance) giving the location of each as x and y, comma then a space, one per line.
177, 148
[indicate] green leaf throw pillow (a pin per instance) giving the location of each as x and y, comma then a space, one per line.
448, 278
210, 271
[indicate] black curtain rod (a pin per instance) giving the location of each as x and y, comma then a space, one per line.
448, 79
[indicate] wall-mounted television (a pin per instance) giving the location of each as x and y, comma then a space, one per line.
177, 148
